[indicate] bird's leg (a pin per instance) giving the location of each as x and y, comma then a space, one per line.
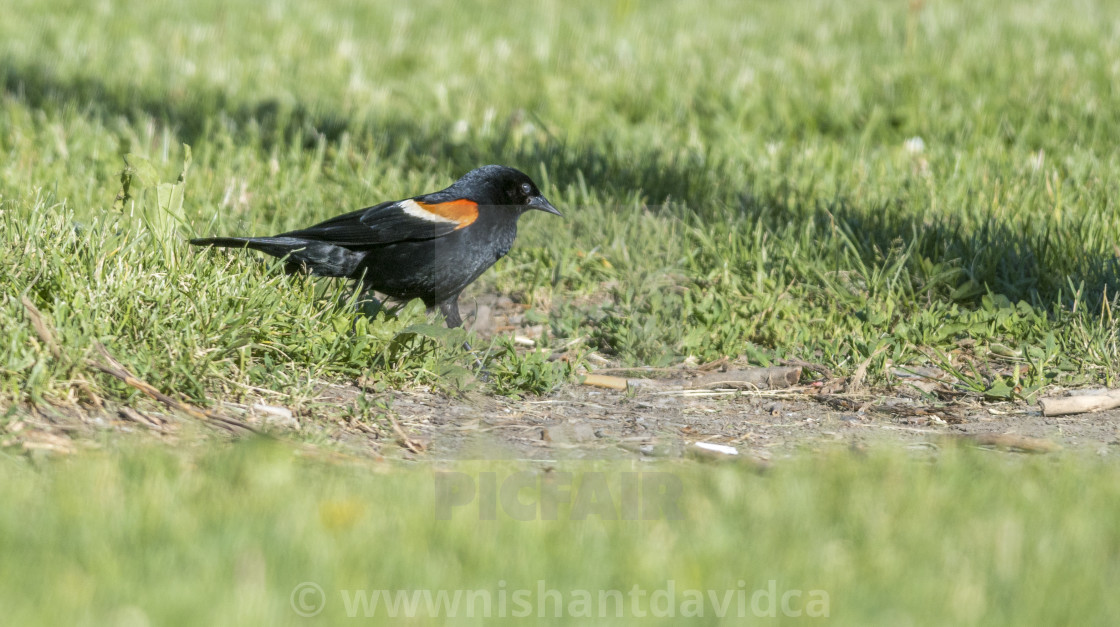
367, 303
450, 310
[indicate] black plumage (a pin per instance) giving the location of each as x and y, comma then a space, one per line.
428, 247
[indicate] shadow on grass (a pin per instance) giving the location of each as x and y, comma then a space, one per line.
1044, 268
195, 115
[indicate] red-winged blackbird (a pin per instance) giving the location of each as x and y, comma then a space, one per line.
428, 247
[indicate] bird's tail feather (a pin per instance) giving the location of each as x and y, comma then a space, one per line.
316, 257
223, 242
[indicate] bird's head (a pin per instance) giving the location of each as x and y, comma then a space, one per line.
498, 185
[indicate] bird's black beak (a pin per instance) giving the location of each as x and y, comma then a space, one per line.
542, 204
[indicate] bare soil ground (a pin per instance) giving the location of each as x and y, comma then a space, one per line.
580, 422
584, 422
587, 423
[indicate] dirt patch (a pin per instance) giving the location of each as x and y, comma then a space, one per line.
587, 423
579, 422
582, 422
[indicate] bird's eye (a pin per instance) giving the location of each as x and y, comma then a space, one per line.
527, 189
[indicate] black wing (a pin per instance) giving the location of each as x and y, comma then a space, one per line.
389, 222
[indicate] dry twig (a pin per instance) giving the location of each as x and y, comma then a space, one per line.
741, 379
1079, 404
405, 441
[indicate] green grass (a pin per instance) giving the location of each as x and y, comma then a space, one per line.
222, 536
737, 182
740, 180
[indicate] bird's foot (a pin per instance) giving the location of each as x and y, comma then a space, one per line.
483, 373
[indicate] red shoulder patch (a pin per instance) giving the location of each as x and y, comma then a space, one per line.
462, 211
